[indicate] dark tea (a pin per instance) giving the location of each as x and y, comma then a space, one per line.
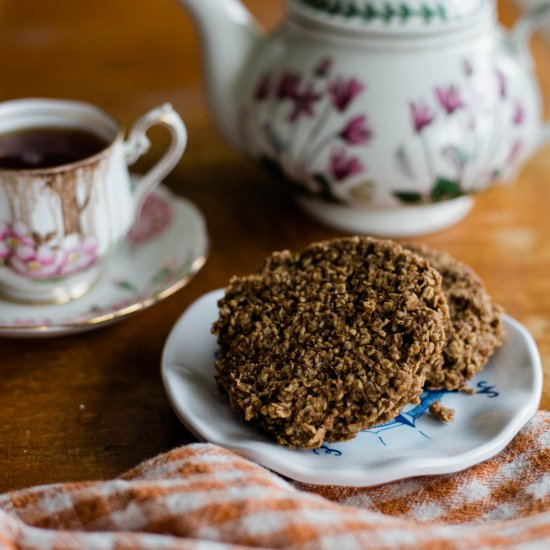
47, 147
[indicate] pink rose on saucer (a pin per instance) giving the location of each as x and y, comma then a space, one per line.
156, 217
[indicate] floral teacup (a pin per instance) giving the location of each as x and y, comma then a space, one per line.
66, 196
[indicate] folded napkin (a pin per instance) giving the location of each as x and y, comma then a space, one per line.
204, 497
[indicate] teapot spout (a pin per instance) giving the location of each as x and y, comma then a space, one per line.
229, 34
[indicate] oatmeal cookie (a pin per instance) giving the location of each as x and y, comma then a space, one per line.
320, 345
475, 328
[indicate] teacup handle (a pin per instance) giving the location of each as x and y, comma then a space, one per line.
137, 144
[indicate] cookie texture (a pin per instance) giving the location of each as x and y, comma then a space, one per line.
442, 413
475, 329
320, 345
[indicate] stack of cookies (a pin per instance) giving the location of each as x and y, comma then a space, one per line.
320, 345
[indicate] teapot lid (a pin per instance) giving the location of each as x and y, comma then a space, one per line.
395, 15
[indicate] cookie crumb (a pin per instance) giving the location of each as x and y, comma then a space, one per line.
442, 413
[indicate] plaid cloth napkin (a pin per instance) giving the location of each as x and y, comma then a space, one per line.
204, 497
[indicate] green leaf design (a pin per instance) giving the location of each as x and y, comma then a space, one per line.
351, 11
388, 14
162, 274
326, 192
408, 197
404, 12
427, 13
126, 285
444, 189
277, 172
369, 13
272, 166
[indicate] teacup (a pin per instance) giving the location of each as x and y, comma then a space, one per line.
66, 195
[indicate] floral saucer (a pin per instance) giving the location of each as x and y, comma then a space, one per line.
507, 394
164, 249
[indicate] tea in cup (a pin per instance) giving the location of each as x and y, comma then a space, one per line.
66, 195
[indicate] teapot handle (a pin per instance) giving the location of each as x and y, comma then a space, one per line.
519, 38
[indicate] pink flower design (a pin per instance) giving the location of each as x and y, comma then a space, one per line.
519, 113
357, 131
342, 92
304, 103
37, 263
263, 89
422, 116
78, 254
515, 151
449, 98
343, 166
156, 217
19, 235
288, 85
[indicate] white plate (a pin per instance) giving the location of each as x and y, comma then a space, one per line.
164, 249
508, 394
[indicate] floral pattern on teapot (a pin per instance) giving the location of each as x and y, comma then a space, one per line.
449, 164
325, 156
314, 129
441, 102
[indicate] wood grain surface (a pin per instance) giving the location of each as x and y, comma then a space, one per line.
92, 405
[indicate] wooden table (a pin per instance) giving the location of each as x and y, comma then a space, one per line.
128, 55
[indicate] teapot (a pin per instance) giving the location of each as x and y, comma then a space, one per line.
381, 116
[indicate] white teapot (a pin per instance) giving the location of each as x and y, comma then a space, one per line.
383, 116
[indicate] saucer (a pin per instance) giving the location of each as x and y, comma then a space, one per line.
164, 249
507, 395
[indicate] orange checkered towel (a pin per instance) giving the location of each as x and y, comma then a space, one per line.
204, 497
